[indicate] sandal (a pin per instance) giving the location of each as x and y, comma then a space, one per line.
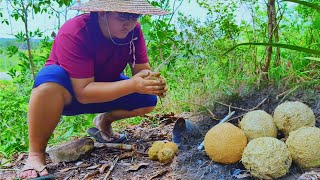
96, 134
38, 169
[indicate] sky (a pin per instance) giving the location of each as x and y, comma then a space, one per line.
43, 22
50, 24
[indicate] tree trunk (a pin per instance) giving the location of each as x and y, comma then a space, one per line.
271, 26
25, 13
276, 36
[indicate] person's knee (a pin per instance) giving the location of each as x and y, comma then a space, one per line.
49, 89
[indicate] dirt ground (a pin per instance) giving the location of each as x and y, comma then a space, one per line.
190, 163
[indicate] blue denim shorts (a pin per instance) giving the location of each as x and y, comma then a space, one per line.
55, 73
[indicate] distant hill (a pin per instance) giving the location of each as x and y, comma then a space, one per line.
5, 42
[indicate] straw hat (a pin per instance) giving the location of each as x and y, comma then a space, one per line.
129, 6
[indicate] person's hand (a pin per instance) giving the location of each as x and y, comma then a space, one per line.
144, 83
156, 76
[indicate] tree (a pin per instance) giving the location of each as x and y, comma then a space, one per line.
22, 9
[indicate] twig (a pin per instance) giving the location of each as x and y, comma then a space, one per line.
164, 61
9, 169
161, 173
111, 168
233, 107
115, 146
210, 112
237, 117
286, 93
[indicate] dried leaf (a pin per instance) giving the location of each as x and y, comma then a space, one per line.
5, 163
94, 167
67, 169
159, 174
126, 155
103, 168
88, 176
244, 175
137, 166
84, 165
20, 157
79, 163
312, 175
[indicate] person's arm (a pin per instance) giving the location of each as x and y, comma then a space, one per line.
88, 91
139, 67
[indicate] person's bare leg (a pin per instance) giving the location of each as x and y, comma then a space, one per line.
45, 109
103, 121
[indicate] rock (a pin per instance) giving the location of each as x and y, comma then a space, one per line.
71, 151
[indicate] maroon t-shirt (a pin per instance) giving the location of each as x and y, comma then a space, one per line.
82, 50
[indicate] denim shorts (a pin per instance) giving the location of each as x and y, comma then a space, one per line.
55, 73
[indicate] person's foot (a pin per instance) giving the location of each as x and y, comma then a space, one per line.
34, 166
103, 123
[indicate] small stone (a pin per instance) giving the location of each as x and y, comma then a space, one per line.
71, 151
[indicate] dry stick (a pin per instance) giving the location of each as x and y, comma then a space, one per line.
9, 169
233, 107
210, 112
116, 146
237, 117
111, 168
249, 110
163, 62
287, 93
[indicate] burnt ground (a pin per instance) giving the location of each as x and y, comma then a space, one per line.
190, 163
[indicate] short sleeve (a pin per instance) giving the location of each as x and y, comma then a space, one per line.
141, 49
73, 56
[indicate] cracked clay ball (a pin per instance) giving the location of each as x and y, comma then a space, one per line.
258, 123
171, 145
304, 146
224, 143
155, 148
290, 116
266, 158
166, 154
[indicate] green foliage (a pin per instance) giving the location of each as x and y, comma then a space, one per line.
285, 46
306, 3
13, 110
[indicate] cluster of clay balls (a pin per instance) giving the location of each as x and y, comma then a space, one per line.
163, 151
255, 141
